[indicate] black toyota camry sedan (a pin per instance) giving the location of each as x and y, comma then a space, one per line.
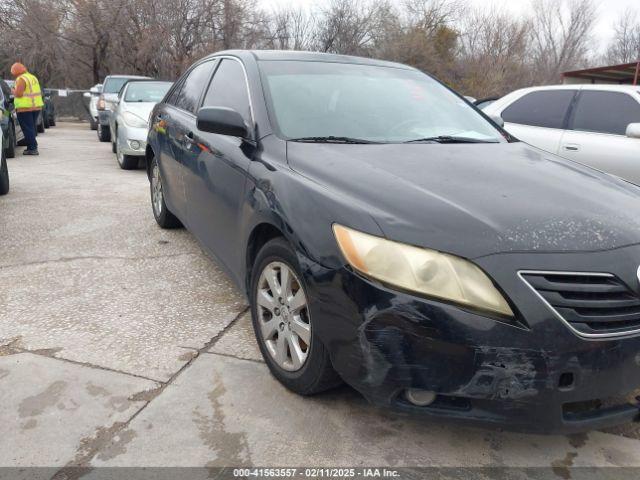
389, 235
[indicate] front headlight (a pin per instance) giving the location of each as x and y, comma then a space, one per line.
134, 120
420, 270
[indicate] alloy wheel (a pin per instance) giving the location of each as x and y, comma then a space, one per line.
283, 316
156, 190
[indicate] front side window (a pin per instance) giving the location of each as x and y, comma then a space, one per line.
372, 103
193, 86
229, 89
605, 112
545, 108
146, 91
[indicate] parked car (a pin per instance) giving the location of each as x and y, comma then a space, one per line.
130, 119
598, 125
106, 102
4, 171
389, 235
40, 123
11, 131
485, 102
49, 110
93, 95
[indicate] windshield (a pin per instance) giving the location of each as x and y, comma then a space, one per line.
146, 91
114, 84
370, 103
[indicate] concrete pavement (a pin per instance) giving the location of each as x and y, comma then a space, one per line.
124, 345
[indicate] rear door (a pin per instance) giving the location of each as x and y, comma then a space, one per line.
216, 176
539, 117
596, 135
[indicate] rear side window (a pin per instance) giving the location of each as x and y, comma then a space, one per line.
546, 108
605, 112
193, 86
229, 89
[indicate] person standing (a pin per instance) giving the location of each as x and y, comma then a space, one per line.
28, 102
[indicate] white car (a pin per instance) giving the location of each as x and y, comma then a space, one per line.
93, 94
597, 125
130, 119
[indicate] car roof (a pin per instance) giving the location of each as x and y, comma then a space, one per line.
303, 56
585, 86
125, 76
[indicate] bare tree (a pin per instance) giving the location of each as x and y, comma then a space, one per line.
561, 35
494, 55
291, 29
625, 47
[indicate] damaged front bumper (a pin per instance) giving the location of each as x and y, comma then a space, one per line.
533, 374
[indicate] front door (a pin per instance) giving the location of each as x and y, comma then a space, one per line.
216, 176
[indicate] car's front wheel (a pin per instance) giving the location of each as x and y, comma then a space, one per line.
163, 216
4, 174
283, 323
104, 133
11, 142
126, 162
40, 126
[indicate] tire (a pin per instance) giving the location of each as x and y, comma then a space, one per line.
52, 121
314, 373
114, 149
161, 213
40, 126
104, 133
10, 151
4, 175
126, 162
45, 121
93, 125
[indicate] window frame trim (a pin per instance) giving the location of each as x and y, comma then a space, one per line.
184, 78
219, 58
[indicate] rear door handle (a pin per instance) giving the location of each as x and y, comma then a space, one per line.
571, 147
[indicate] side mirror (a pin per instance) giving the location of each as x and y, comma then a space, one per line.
497, 119
221, 120
633, 130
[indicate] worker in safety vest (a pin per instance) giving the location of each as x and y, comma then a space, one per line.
28, 103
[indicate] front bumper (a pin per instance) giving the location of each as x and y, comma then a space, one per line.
483, 370
132, 140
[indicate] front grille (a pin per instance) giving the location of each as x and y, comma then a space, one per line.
591, 303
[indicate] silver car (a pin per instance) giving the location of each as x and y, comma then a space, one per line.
93, 94
130, 119
106, 103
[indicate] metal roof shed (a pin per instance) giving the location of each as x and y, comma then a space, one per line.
626, 73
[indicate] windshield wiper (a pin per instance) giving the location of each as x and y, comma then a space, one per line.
331, 139
450, 139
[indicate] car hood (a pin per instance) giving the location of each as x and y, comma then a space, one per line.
477, 199
141, 109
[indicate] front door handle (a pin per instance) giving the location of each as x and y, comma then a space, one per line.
571, 147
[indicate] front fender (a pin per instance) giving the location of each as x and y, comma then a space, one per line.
303, 210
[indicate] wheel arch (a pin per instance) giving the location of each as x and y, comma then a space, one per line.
259, 236
148, 155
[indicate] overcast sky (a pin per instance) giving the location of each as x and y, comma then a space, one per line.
609, 10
